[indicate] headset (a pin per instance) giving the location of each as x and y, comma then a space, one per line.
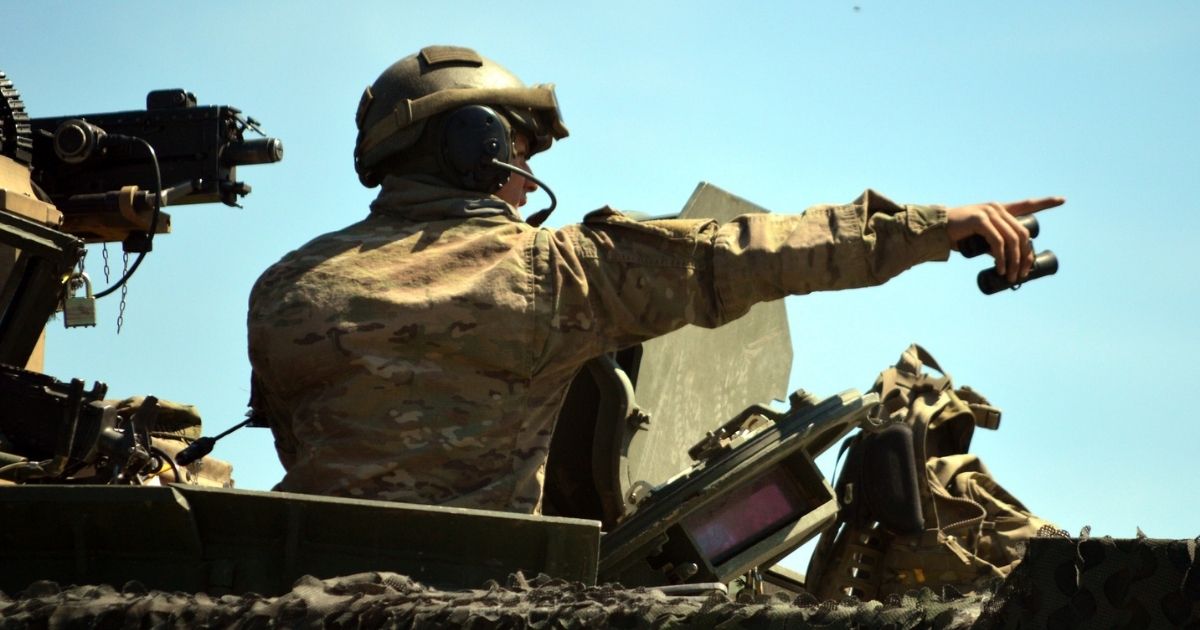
475, 149
473, 139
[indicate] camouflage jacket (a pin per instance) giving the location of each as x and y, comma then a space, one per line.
422, 354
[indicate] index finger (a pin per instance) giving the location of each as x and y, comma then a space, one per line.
1029, 206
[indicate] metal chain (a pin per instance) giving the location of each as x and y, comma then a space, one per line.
124, 292
104, 254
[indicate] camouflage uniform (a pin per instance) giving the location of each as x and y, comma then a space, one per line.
422, 354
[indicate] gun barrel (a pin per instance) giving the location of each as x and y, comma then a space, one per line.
257, 151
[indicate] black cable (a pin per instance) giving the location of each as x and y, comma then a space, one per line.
233, 428
539, 217
153, 218
40, 193
204, 445
170, 462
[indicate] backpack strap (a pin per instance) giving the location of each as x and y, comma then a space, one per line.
986, 416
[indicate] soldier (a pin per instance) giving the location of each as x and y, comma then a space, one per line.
422, 354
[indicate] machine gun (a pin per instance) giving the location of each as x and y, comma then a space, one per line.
105, 184
94, 178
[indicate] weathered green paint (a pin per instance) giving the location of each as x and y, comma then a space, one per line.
196, 539
694, 379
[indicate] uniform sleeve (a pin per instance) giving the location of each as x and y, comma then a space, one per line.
615, 281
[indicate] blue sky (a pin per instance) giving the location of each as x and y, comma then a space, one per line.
787, 104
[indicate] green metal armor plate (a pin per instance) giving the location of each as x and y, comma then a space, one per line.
694, 379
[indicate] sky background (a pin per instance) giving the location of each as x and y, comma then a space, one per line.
787, 104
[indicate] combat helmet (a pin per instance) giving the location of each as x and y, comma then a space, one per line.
394, 111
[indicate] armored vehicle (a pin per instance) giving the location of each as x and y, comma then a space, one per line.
663, 474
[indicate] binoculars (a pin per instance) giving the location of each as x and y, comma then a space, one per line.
989, 280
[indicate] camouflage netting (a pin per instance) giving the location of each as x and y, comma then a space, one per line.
1101, 583
391, 600
386, 600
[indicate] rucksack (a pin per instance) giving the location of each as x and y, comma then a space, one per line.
917, 510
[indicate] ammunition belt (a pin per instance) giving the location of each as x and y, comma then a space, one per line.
16, 133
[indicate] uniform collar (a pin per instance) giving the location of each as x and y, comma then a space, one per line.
425, 198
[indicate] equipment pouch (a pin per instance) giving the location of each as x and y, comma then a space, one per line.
879, 482
917, 509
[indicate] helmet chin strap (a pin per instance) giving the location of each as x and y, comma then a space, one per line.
536, 219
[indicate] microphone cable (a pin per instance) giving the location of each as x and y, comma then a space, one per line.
536, 219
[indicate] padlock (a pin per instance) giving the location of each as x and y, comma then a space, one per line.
79, 311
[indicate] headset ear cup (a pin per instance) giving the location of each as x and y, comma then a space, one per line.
471, 138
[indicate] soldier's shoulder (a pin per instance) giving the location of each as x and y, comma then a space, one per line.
297, 262
607, 214
640, 223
